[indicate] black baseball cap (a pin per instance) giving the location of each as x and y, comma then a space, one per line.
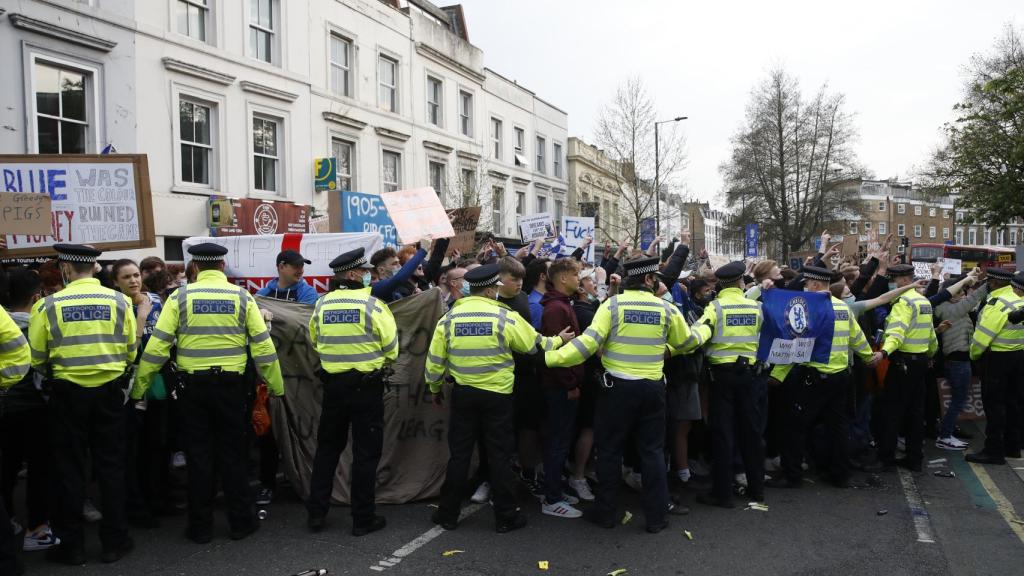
291, 257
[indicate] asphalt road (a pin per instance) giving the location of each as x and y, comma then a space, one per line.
933, 525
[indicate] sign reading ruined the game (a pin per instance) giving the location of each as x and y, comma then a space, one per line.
100, 200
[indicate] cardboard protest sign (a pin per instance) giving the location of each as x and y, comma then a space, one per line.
417, 214
952, 266
536, 226
98, 199
464, 221
247, 216
358, 212
25, 213
250, 261
412, 466
922, 270
575, 231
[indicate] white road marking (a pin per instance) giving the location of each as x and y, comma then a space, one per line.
420, 541
922, 521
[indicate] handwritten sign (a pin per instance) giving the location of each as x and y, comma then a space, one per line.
536, 226
359, 212
464, 222
101, 200
25, 213
952, 266
922, 270
575, 231
418, 214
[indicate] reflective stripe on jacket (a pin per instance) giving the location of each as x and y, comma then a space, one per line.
909, 326
993, 332
85, 332
731, 325
352, 330
15, 358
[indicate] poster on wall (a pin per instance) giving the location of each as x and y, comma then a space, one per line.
248, 216
100, 200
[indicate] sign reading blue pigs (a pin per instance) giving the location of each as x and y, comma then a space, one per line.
575, 231
752, 234
365, 213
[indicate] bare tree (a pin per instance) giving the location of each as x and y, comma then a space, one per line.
787, 160
625, 130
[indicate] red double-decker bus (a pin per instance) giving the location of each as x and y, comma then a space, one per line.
969, 256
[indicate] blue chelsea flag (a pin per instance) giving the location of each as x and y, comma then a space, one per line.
797, 327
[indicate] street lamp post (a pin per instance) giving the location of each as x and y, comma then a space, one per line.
657, 174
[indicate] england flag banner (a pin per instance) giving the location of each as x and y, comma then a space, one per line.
797, 327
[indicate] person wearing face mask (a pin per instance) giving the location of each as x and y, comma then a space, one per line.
474, 343
85, 337
910, 341
820, 393
355, 336
391, 275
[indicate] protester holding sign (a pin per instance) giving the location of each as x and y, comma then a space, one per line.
956, 358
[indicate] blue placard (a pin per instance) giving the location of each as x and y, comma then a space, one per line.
367, 213
647, 232
752, 234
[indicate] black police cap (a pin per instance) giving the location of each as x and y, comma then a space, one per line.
350, 261
999, 274
483, 276
641, 266
900, 270
817, 273
207, 252
731, 272
76, 253
1018, 280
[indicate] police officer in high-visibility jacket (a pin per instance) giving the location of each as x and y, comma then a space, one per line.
212, 320
998, 344
633, 331
909, 342
731, 325
83, 338
355, 336
15, 358
474, 343
820, 391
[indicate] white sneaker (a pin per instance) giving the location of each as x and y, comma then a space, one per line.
570, 499
482, 494
951, 443
178, 460
90, 513
40, 540
901, 444
582, 489
560, 509
634, 481
741, 479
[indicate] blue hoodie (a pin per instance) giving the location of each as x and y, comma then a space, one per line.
300, 292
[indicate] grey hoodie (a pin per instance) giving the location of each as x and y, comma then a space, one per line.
958, 337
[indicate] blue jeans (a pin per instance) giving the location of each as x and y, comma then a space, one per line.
560, 426
958, 375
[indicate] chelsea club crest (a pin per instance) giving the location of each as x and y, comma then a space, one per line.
796, 316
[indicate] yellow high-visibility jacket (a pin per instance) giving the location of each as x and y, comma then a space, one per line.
731, 326
846, 336
909, 326
993, 332
352, 330
15, 358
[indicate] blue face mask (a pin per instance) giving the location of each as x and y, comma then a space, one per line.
465, 289
366, 279
667, 297
850, 299
892, 285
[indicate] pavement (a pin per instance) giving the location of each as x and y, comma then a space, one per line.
917, 523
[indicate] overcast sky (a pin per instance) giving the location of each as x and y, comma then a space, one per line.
899, 63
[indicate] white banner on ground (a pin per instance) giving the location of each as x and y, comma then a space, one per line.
251, 260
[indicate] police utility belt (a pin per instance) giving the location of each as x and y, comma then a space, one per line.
379, 378
742, 364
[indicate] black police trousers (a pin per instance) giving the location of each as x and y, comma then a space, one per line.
348, 400
813, 397
84, 423
1001, 386
902, 407
489, 416
733, 417
216, 420
637, 408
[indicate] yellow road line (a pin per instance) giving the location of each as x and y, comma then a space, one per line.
1002, 504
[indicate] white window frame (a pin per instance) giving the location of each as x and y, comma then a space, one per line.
931, 232
972, 236
497, 137
520, 145
353, 143
959, 216
540, 158
945, 214
945, 233
278, 130
882, 227
1013, 237
442, 191
520, 202
542, 203
206, 6
959, 235
349, 70
466, 115
867, 225
395, 105
901, 208
1001, 238
931, 212
93, 96
276, 46
431, 78
901, 230
216, 102
559, 211
399, 172
881, 205
557, 169
917, 230
917, 210
497, 209
283, 150
853, 228
988, 236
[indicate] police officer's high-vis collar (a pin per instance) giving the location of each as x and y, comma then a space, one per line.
76, 253
207, 252
641, 267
